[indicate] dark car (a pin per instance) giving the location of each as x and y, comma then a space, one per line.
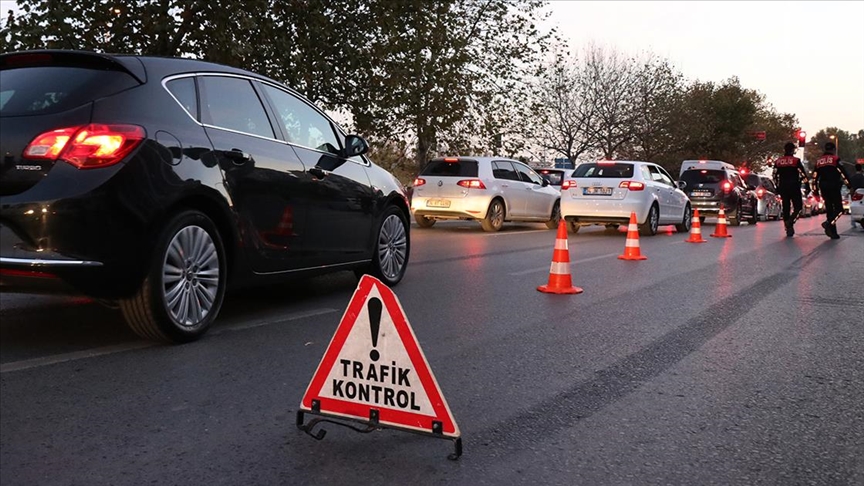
768, 205
157, 183
711, 184
555, 177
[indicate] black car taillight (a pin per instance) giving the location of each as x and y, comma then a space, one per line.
86, 147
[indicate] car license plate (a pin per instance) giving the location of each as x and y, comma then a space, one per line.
597, 191
700, 193
438, 203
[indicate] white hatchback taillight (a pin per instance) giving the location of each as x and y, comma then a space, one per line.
568, 184
632, 185
87, 147
472, 184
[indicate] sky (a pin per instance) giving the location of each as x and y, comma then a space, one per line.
807, 58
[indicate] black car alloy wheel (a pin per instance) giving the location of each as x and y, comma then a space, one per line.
183, 291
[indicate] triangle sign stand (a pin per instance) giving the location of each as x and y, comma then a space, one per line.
374, 373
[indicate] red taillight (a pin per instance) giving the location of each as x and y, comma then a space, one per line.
472, 184
857, 196
88, 147
632, 185
760, 192
727, 186
419, 182
567, 185
48, 145
451, 160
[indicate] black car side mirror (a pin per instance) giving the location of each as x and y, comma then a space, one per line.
354, 145
681, 184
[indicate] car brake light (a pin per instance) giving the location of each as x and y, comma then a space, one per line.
419, 182
857, 196
632, 185
567, 185
472, 184
727, 186
760, 192
88, 147
605, 162
451, 160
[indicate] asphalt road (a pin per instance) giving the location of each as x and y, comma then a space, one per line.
737, 361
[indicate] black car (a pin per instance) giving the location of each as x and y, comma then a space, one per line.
157, 183
555, 177
711, 184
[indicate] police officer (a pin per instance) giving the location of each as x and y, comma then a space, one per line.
788, 174
829, 177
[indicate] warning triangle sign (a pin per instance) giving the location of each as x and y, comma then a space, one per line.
374, 370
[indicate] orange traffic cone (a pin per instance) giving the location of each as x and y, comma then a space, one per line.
559, 272
720, 229
631, 246
696, 229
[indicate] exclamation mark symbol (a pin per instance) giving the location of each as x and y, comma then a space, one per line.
374, 308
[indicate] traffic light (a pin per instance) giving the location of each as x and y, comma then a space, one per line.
802, 138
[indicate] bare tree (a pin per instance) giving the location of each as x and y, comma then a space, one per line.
563, 113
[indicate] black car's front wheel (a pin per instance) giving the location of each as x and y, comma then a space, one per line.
392, 248
182, 293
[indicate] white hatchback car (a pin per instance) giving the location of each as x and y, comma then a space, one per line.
856, 208
490, 190
607, 191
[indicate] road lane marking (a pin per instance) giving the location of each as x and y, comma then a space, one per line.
121, 348
546, 268
266, 322
62, 358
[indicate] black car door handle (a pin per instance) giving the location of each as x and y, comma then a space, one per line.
237, 156
318, 172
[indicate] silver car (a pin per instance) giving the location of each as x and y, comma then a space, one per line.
606, 192
490, 190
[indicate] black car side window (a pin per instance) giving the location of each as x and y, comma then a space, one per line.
301, 124
232, 103
183, 90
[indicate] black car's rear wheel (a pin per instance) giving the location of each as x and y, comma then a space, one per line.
392, 248
182, 293
734, 217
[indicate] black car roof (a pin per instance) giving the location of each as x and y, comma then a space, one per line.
141, 67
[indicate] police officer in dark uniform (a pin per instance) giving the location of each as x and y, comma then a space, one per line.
788, 174
829, 178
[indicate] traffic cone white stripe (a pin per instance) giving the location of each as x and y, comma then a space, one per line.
633, 227
561, 245
631, 244
560, 268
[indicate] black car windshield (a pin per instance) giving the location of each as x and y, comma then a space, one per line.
702, 176
617, 170
52, 89
457, 168
753, 180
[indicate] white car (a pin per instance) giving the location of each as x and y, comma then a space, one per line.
856, 208
607, 191
490, 190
